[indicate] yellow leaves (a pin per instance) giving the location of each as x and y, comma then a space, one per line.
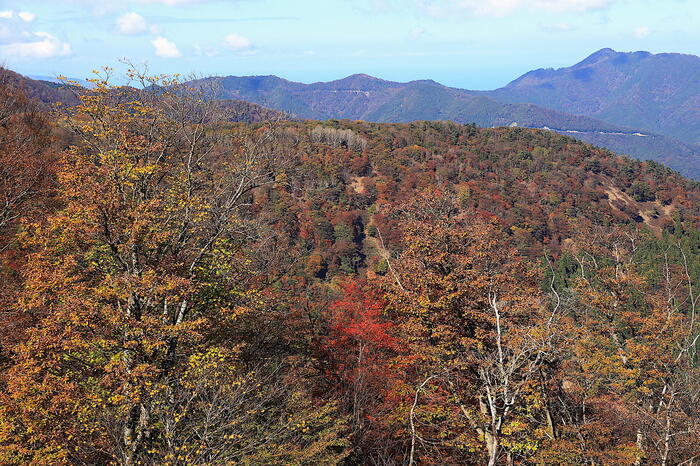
132, 275
236, 312
281, 178
302, 426
213, 363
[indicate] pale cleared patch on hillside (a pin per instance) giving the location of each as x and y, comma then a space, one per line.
358, 184
653, 213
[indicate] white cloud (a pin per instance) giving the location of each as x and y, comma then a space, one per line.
165, 48
26, 16
38, 45
237, 42
641, 32
500, 8
19, 41
131, 23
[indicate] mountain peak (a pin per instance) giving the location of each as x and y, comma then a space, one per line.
360, 82
617, 58
606, 51
600, 55
363, 76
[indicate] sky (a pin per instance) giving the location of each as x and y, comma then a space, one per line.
472, 44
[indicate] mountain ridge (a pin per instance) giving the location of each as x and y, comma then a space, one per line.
653, 92
364, 97
587, 101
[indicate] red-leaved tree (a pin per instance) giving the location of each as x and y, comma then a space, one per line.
360, 347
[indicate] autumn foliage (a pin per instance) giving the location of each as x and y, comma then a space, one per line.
181, 289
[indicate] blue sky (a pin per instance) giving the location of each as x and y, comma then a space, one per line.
475, 44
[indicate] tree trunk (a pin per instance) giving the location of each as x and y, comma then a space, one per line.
640, 447
490, 432
135, 433
492, 446
667, 441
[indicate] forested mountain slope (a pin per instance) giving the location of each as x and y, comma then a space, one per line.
659, 93
42, 91
362, 97
179, 288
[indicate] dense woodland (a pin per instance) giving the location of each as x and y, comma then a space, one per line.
182, 289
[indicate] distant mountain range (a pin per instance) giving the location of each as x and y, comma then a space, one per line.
640, 104
50, 91
44, 91
657, 93
362, 97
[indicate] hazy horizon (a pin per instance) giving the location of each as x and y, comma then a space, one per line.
57, 77
466, 44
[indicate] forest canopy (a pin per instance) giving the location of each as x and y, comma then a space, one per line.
180, 288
